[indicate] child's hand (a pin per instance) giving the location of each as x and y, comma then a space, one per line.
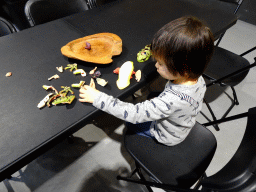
88, 94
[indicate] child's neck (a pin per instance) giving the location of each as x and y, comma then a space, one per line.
184, 82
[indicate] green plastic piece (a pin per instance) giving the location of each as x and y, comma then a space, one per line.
78, 85
71, 67
64, 100
65, 90
144, 54
46, 87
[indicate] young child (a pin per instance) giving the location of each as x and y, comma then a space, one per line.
182, 49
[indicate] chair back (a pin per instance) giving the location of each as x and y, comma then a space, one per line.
92, 4
180, 165
226, 61
42, 11
238, 175
6, 27
96, 3
237, 2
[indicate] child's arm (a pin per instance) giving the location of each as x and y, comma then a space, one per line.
146, 111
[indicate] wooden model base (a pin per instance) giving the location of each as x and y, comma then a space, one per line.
103, 47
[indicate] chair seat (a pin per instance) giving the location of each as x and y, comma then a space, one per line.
6, 27
225, 62
246, 183
181, 165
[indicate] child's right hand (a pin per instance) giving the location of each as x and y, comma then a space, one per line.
88, 94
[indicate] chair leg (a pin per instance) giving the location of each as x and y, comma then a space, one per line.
157, 185
128, 179
134, 171
147, 184
213, 116
197, 186
235, 102
142, 180
221, 36
70, 139
235, 96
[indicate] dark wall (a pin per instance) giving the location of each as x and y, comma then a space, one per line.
14, 10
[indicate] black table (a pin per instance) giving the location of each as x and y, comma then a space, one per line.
32, 55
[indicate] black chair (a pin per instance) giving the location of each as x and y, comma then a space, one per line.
42, 11
14, 11
6, 27
238, 175
96, 3
227, 69
178, 168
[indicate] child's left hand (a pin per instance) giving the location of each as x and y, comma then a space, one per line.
88, 94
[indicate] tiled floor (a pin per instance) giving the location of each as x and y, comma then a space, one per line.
97, 155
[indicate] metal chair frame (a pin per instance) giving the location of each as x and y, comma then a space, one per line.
220, 81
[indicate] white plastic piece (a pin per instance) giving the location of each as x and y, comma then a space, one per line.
138, 75
60, 69
80, 71
56, 76
44, 101
101, 82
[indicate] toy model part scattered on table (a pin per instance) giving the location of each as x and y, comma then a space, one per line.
95, 75
92, 83
124, 75
137, 74
116, 71
98, 48
71, 67
80, 71
78, 85
144, 54
60, 69
56, 76
43, 102
47, 87
57, 98
101, 82
61, 97
64, 100
8, 74
93, 71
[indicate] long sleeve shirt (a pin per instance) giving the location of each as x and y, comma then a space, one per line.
173, 113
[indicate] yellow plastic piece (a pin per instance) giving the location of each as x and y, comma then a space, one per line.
124, 75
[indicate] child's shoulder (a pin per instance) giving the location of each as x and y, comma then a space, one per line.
176, 89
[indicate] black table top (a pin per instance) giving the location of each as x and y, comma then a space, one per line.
32, 55
140, 20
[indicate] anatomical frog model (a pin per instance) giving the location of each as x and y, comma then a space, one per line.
144, 54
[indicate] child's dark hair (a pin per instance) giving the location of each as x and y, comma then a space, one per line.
185, 45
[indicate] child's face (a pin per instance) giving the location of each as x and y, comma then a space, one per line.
164, 72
